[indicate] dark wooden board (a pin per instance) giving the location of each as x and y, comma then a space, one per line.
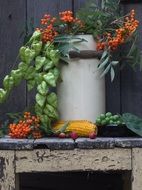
131, 82
12, 22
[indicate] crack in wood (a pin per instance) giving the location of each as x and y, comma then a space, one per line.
2, 164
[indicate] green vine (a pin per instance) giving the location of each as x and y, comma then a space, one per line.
39, 67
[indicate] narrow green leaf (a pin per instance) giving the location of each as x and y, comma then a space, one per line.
112, 74
106, 70
114, 63
62, 129
103, 64
105, 53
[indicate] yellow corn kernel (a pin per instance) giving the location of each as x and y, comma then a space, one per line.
82, 127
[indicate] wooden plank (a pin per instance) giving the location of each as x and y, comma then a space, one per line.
12, 21
7, 171
73, 160
131, 99
136, 168
35, 11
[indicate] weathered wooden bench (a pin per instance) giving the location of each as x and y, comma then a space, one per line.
54, 155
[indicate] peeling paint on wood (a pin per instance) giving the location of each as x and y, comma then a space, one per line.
7, 170
73, 160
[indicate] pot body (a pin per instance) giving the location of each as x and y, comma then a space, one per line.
81, 94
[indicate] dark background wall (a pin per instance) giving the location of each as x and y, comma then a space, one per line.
16, 16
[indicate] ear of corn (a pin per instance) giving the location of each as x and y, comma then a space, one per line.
82, 127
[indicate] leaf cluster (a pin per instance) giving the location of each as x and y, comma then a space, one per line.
97, 19
39, 67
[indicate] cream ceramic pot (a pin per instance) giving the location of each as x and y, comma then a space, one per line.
81, 94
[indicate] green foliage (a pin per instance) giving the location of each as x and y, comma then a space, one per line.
133, 122
97, 19
65, 43
39, 67
4, 128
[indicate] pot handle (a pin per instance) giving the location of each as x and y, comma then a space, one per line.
85, 54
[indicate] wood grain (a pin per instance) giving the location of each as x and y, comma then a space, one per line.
12, 21
7, 170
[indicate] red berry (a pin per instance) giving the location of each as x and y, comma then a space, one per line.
62, 135
92, 135
74, 135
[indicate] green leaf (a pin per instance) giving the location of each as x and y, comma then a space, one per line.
17, 76
23, 66
48, 65
114, 63
54, 56
8, 82
38, 109
103, 64
52, 99
39, 62
30, 73
56, 73
31, 84
29, 55
133, 122
36, 36
45, 124
62, 129
22, 53
43, 88
3, 95
106, 70
105, 53
51, 112
38, 78
37, 46
112, 73
40, 99
50, 79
